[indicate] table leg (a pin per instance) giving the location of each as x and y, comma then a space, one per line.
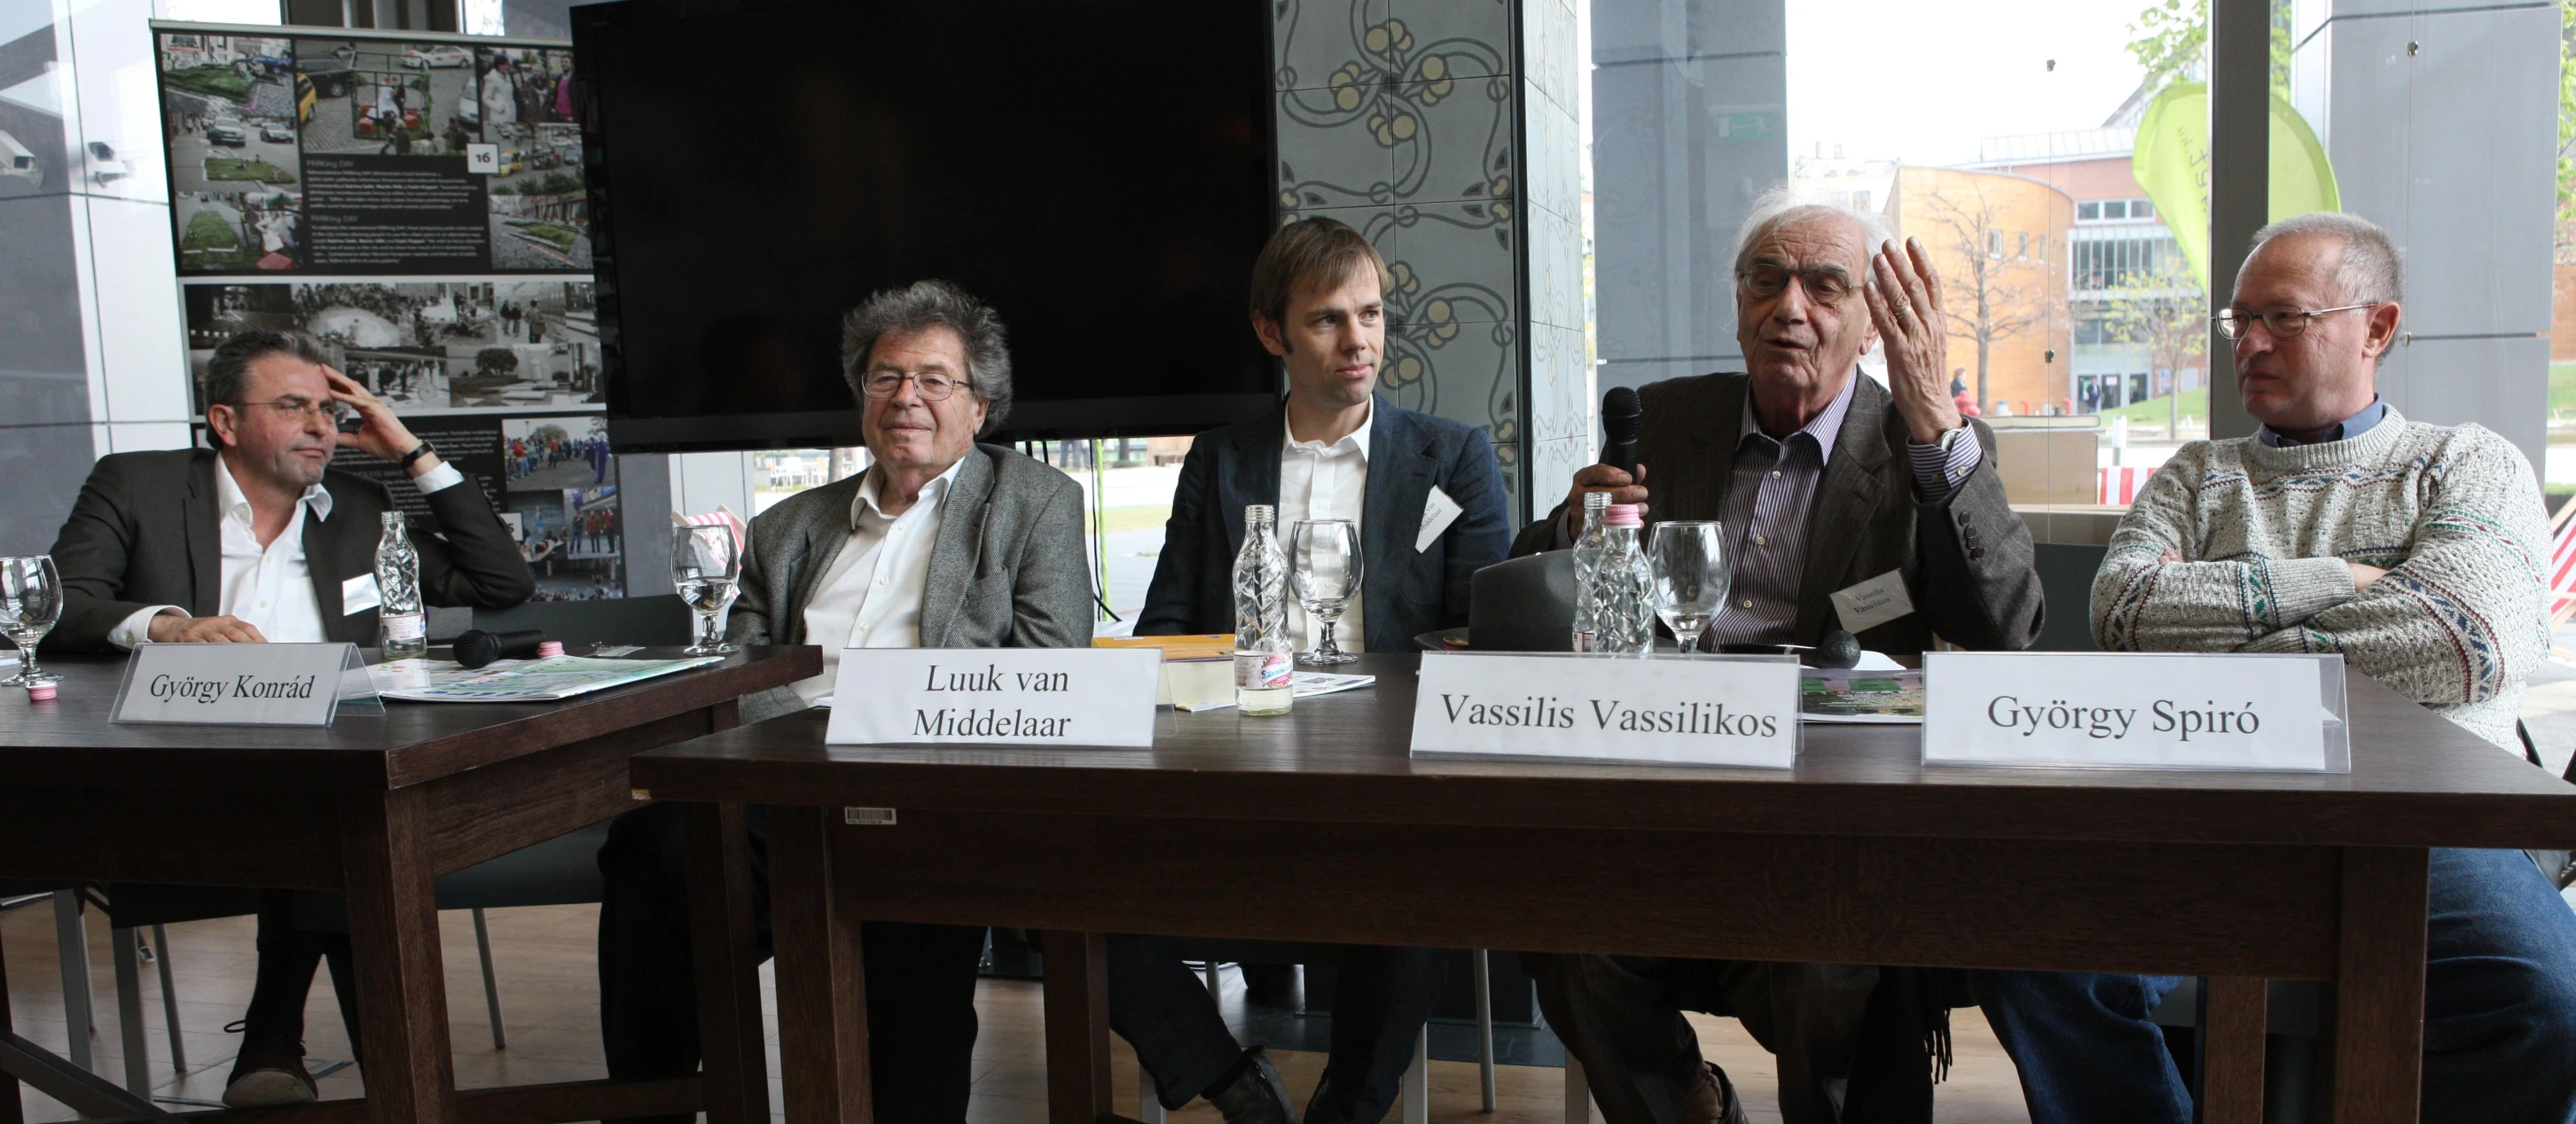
1077, 1027
11, 1111
402, 985
822, 986
2378, 1047
2233, 1016
726, 947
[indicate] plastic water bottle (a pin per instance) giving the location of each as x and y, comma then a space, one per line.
1623, 605
1587, 559
402, 626
1265, 662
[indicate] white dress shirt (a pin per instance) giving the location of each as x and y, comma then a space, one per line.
1319, 481
870, 596
267, 587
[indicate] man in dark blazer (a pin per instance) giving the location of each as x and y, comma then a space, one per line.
1428, 496
258, 539
1826, 482
942, 543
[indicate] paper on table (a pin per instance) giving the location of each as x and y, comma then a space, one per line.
1861, 695
545, 680
1306, 684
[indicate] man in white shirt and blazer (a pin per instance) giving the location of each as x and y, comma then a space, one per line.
1429, 499
259, 540
942, 543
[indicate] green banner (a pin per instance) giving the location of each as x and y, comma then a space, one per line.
2172, 163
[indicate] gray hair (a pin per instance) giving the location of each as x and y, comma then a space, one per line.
1783, 205
921, 306
228, 373
2369, 272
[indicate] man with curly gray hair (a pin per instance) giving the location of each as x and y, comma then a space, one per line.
941, 543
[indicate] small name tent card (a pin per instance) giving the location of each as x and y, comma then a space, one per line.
1665, 710
243, 684
995, 696
2136, 711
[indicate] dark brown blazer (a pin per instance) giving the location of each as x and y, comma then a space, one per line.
1968, 561
145, 532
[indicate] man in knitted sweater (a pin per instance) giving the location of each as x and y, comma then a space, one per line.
2415, 551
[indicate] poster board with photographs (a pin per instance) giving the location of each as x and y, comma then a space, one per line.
415, 204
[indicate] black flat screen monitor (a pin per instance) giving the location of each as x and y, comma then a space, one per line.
1096, 170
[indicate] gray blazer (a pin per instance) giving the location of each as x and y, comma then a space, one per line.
1008, 571
1968, 562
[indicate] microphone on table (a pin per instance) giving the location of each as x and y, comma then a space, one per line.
1622, 416
476, 648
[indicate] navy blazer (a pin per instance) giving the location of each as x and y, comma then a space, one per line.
1405, 592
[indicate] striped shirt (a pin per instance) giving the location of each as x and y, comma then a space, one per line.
1770, 504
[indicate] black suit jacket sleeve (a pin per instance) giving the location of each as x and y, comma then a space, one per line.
1977, 568
477, 565
1482, 533
91, 554
1193, 540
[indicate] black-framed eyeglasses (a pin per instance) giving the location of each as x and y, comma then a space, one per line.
329, 409
2283, 323
934, 385
1827, 287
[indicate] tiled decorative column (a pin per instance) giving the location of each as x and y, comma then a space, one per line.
1412, 120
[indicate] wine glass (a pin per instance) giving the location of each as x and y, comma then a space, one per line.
1324, 565
1691, 576
31, 599
705, 564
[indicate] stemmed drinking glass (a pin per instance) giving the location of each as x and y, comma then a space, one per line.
1325, 567
705, 564
31, 599
1691, 576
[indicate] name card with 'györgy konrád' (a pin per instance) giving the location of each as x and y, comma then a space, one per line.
1703, 710
243, 684
995, 696
2136, 711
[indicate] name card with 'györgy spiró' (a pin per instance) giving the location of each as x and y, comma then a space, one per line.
2136, 711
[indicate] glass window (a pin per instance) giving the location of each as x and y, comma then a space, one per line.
2088, 211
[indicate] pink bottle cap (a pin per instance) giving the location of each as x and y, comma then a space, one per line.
40, 692
1622, 515
549, 648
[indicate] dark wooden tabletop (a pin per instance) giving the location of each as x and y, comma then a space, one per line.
70, 742
2416, 780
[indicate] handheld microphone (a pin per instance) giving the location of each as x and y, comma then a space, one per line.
476, 648
1622, 416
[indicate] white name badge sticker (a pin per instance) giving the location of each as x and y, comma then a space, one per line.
1665, 710
359, 594
2135, 711
995, 696
243, 684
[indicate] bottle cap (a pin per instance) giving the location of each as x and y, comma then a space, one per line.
1622, 515
40, 692
549, 648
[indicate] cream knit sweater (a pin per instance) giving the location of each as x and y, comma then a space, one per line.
2450, 511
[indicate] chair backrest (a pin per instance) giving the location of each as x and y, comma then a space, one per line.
2066, 581
579, 624
1525, 604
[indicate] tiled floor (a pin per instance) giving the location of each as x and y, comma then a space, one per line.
551, 1011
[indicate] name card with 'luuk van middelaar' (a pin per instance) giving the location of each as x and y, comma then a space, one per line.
243, 684
1665, 710
2136, 711
995, 696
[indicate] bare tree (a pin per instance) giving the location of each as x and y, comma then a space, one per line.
1986, 302
2160, 305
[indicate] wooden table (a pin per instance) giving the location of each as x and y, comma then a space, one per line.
1319, 826
377, 806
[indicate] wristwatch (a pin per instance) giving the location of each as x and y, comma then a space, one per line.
1948, 437
417, 453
